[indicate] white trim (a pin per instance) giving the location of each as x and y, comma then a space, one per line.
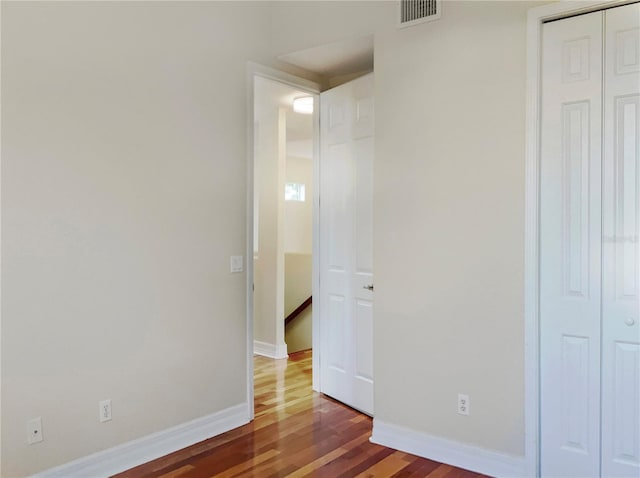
535, 18
249, 253
270, 350
1, 263
253, 70
128, 455
451, 452
315, 252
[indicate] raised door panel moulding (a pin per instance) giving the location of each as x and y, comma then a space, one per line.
626, 411
336, 116
363, 194
337, 328
627, 124
628, 51
364, 109
364, 339
336, 198
451, 452
363, 126
575, 185
131, 454
575, 60
575, 396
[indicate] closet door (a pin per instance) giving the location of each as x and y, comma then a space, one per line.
621, 252
570, 246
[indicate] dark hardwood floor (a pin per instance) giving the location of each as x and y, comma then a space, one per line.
296, 433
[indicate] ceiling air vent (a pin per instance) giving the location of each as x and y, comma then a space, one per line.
413, 12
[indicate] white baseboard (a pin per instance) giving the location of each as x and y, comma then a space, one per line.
270, 350
128, 455
446, 451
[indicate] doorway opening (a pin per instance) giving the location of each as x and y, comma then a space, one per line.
271, 94
282, 219
276, 279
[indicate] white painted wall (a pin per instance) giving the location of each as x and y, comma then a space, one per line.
449, 224
449, 210
269, 178
297, 287
298, 332
298, 280
123, 196
300, 25
298, 215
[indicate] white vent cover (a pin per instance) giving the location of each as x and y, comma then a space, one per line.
413, 12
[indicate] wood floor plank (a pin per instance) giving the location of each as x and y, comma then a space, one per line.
296, 433
386, 467
418, 467
249, 465
177, 472
325, 458
441, 471
371, 459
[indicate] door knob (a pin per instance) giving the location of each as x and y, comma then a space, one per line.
368, 287
630, 321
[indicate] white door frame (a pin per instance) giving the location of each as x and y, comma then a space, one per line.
535, 18
253, 70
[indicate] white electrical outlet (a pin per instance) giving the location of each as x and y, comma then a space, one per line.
34, 431
463, 404
236, 264
104, 408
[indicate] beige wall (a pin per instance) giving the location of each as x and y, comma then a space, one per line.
297, 289
298, 332
449, 202
297, 280
269, 178
123, 196
299, 25
298, 216
449, 224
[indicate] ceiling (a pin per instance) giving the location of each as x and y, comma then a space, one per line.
335, 59
270, 94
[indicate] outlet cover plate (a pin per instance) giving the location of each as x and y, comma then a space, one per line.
463, 404
104, 410
34, 431
237, 264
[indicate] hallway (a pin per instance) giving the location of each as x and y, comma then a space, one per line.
296, 433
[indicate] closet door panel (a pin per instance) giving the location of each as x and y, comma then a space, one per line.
621, 249
570, 241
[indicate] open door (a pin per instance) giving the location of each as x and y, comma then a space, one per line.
346, 252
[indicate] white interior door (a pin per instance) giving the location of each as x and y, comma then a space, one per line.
621, 254
346, 252
570, 247
589, 252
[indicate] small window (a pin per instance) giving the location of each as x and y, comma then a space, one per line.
294, 192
